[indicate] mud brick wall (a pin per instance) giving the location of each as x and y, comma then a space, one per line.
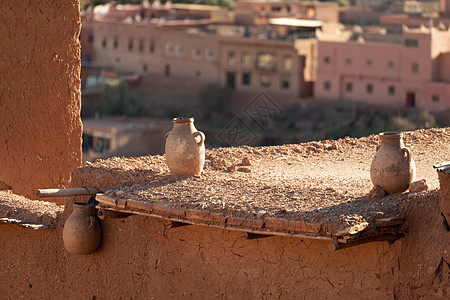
140, 258
40, 98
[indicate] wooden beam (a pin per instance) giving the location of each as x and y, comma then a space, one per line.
252, 236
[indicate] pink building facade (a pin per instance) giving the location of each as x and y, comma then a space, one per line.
414, 73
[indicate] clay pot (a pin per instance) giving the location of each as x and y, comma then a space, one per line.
185, 148
393, 167
82, 233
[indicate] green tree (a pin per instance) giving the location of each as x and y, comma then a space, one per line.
117, 100
214, 100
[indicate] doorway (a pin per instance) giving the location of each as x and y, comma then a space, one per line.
410, 99
231, 80
167, 72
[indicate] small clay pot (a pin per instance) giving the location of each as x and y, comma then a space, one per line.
393, 167
185, 148
82, 233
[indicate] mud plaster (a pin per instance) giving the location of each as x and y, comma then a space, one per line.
40, 98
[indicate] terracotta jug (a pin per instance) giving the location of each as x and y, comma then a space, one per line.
393, 167
82, 233
185, 148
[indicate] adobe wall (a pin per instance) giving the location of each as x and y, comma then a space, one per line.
140, 259
39, 77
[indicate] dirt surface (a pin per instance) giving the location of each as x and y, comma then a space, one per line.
19, 208
323, 182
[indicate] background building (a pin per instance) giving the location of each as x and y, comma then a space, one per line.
412, 73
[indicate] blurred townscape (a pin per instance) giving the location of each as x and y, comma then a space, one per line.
260, 72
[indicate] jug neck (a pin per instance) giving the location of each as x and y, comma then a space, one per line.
184, 124
78, 206
392, 139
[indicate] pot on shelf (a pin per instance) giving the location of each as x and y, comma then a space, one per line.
185, 148
393, 167
82, 233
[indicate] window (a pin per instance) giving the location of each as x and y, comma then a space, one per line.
285, 82
245, 78
326, 85
391, 64
326, 60
141, 46
130, 45
391, 90
266, 61
411, 43
115, 44
348, 61
349, 87
91, 38
152, 48
180, 50
369, 63
287, 63
369, 88
245, 59
169, 49
276, 8
435, 98
209, 54
415, 68
265, 80
104, 43
144, 68
231, 59
196, 54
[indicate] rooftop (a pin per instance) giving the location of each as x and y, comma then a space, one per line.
314, 190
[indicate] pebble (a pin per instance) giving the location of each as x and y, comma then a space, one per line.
244, 170
418, 186
157, 169
246, 162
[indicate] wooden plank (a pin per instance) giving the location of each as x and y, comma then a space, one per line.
35, 226
343, 244
67, 192
191, 222
101, 198
440, 165
109, 214
386, 222
352, 230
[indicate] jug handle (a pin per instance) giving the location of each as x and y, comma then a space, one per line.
201, 135
407, 152
166, 135
91, 222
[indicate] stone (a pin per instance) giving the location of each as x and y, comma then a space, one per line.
244, 170
231, 168
376, 193
418, 186
246, 162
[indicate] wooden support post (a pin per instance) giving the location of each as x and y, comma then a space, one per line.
252, 236
173, 224
110, 214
